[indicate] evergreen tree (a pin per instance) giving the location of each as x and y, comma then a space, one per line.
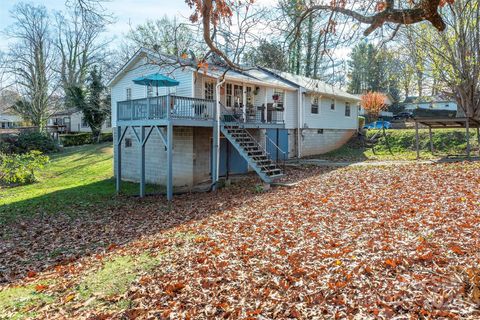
93, 102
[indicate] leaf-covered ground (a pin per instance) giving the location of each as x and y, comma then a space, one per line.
365, 242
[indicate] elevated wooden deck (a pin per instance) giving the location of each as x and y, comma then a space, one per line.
187, 111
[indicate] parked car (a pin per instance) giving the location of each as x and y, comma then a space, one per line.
378, 125
403, 115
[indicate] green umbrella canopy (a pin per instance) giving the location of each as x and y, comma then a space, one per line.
156, 80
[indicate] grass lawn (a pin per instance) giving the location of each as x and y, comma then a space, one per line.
402, 142
355, 242
77, 178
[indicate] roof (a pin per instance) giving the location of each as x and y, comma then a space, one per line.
10, 118
425, 99
313, 85
254, 75
65, 112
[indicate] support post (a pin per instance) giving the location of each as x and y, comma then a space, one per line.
169, 161
416, 140
215, 155
142, 161
431, 140
478, 139
467, 128
118, 155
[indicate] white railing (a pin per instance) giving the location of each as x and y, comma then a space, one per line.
164, 107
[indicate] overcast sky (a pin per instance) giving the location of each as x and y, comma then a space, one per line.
126, 12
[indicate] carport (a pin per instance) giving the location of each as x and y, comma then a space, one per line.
446, 123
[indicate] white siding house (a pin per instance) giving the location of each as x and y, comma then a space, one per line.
218, 122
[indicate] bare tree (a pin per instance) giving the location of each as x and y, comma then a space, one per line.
455, 54
78, 45
31, 61
375, 14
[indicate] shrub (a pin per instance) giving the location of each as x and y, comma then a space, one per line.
20, 168
361, 122
28, 141
78, 139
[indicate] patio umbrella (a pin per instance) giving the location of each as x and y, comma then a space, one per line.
157, 80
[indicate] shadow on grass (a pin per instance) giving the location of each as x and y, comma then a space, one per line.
40, 233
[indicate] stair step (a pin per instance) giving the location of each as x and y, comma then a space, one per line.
276, 176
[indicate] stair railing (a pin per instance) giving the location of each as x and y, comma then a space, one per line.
264, 149
280, 162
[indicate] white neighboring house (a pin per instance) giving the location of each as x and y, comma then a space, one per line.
72, 120
9, 121
205, 128
429, 103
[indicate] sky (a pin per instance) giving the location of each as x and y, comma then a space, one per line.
127, 12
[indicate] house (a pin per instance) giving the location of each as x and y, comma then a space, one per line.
218, 122
72, 120
8, 118
9, 121
429, 103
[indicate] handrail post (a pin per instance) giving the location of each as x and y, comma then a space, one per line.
168, 106
131, 107
148, 107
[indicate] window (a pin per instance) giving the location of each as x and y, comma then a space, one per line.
279, 94
347, 109
128, 142
249, 96
209, 90
84, 123
129, 94
237, 95
320, 131
332, 105
229, 95
149, 91
314, 109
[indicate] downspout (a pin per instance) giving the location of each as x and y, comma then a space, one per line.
300, 122
216, 138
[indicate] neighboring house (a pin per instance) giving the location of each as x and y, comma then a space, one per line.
9, 121
429, 103
203, 128
72, 120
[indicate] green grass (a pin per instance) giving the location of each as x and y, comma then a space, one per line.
16, 302
402, 142
76, 180
116, 275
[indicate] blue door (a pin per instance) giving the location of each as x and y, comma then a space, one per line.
280, 138
230, 159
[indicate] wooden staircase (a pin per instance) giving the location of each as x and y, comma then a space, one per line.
256, 156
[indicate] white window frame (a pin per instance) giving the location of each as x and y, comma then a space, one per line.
205, 83
334, 104
318, 104
350, 109
128, 94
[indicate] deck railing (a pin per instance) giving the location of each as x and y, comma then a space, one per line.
177, 107
164, 107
